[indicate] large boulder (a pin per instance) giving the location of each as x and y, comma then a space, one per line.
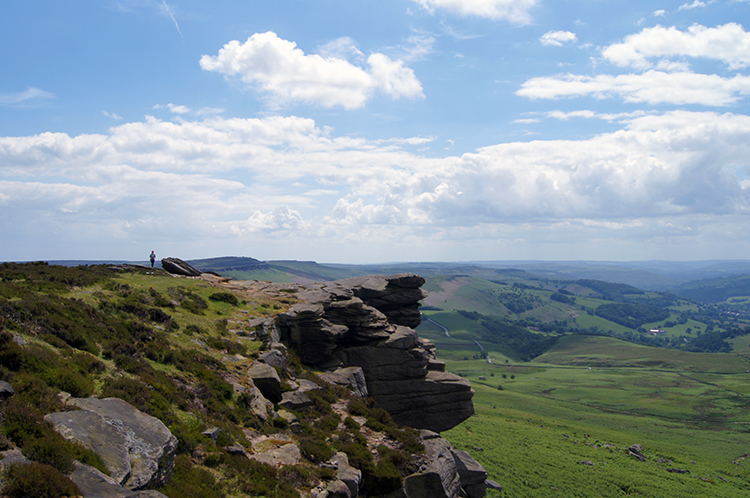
137, 448
179, 267
94, 484
267, 380
6, 390
445, 473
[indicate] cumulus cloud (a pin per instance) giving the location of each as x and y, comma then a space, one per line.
287, 75
516, 11
653, 87
729, 44
251, 180
557, 38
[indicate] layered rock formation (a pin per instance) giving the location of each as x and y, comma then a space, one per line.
368, 322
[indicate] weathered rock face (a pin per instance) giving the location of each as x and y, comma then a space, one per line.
137, 448
368, 322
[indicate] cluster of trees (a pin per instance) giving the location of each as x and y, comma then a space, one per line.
631, 315
520, 342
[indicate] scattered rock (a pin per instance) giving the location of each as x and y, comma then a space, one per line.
94, 484
288, 416
6, 390
307, 385
586, 462
347, 474
10, 457
235, 449
279, 456
266, 379
295, 400
213, 433
351, 377
493, 485
275, 358
472, 475
678, 471
637, 452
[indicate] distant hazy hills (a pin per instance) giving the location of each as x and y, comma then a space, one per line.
711, 280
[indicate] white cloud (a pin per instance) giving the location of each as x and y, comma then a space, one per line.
653, 87
419, 46
287, 75
587, 114
112, 115
516, 11
281, 218
174, 109
690, 6
233, 181
557, 38
660, 13
341, 48
169, 12
27, 98
729, 44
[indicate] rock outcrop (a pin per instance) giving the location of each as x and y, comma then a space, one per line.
368, 322
137, 449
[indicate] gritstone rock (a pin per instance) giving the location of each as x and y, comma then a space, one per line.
179, 267
6, 390
137, 449
267, 380
366, 322
351, 377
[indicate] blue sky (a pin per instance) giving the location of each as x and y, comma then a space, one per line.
362, 132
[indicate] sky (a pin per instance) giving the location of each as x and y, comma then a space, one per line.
352, 131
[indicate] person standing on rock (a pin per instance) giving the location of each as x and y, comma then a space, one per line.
152, 257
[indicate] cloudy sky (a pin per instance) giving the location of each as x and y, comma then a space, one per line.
360, 131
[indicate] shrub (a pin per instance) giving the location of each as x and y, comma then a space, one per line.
22, 422
315, 448
225, 297
70, 381
191, 482
384, 478
38, 480
351, 424
51, 450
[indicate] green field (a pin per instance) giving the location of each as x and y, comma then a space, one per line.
588, 400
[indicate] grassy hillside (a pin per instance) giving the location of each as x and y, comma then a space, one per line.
178, 349
556, 429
